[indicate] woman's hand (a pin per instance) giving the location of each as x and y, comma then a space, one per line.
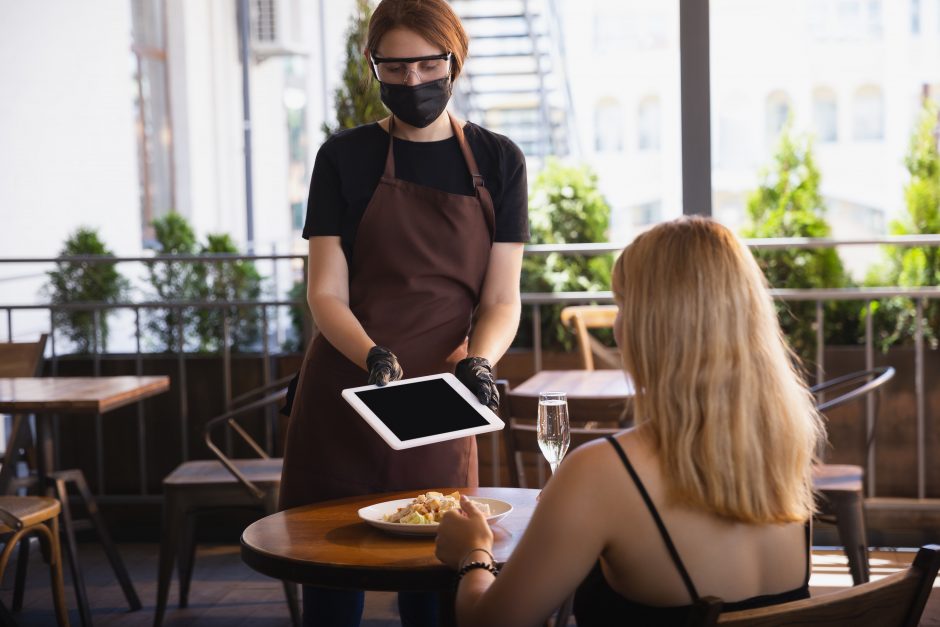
383, 366
461, 532
476, 374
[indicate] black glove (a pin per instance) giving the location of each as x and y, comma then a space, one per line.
477, 374
383, 366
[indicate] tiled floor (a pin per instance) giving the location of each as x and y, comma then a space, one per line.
227, 593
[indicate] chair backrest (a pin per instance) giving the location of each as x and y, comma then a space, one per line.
860, 384
581, 318
269, 395
520, 435
864, 381
898, 600
22, 359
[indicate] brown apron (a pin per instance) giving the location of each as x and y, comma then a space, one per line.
415, 278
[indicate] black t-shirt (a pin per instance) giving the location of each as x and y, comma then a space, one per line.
350, 163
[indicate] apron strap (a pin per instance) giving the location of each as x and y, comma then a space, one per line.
389, 173
489, 212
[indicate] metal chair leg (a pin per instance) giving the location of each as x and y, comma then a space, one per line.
186, 558
846, 505
174, 516
91, 505
71, 549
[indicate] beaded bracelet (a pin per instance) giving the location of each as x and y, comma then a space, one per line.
471, 552
466, 568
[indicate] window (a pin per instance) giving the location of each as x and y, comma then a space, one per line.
915, 17
649, 124
152, 109
734, 147
825, 115
777, 112
868, 114
608, 126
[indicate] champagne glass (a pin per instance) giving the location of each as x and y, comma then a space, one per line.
554, 432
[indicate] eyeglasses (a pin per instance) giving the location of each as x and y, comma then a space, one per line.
426, 69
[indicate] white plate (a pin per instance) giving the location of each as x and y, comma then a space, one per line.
374, 515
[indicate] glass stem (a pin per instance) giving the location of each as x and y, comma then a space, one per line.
554, 467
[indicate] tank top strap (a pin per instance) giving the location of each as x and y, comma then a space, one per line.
808, 532
673, 553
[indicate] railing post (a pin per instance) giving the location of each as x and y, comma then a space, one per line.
820, 344
184, 401
537, 336
870, 404
226, 376
266, 379
141, 423
919, 392
9, 324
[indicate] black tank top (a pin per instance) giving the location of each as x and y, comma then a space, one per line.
597, 604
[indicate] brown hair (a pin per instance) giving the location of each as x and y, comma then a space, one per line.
434, 20
733, 422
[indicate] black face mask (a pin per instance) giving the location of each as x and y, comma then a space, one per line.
417, 105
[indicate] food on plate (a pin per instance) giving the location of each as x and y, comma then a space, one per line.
429, 508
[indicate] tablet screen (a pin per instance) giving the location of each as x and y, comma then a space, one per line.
421, 409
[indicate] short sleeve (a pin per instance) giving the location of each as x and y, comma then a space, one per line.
325, 204
512, 210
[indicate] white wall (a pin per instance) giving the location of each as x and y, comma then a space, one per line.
67, 145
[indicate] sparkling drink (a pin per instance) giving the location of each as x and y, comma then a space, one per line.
554, 434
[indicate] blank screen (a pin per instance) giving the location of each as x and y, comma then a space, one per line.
417, 410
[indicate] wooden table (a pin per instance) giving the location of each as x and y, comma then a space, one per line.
44, 397
94, 395
596, 396
326, 544
579, 384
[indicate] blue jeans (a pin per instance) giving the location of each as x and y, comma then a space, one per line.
326, 607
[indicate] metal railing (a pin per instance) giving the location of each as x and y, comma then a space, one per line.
532, 300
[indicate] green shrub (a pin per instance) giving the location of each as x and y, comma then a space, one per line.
172, 281
894, 319
84, 282
788, 204
357, 99
224, 281
565, 206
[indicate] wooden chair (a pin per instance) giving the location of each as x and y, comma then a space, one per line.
840, 486
24, 359
19, 359
197, 486
898, 600
590, 419
21, 517
581, 318
520, 442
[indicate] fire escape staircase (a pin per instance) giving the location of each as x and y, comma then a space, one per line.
514, 81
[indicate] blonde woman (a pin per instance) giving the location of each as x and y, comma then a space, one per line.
710, 493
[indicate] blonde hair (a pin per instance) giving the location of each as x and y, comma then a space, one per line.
732, 420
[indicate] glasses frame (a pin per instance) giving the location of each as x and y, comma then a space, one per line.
375, 60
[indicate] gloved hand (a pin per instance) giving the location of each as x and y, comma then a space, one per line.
383, 366
477, 374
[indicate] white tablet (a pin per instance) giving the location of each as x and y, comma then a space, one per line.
422, 410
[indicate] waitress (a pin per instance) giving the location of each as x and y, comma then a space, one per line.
415, 226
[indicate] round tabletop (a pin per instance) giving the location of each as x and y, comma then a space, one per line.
326, 544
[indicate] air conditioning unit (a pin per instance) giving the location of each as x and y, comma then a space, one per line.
275, 28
